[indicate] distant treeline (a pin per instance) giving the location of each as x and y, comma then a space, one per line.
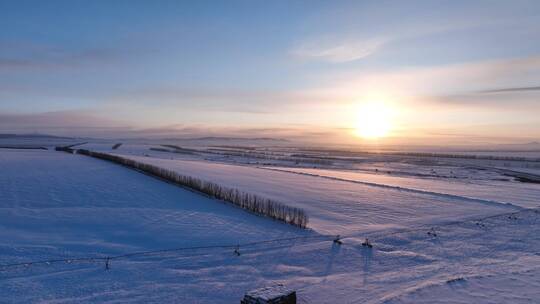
69, 148
464, 156
159, 149
180, 150
338, 155
170, 151
251, 202
269, 156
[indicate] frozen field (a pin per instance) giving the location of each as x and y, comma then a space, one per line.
54, 205
512, 192
339, 207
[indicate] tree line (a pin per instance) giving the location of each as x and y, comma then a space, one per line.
251, 202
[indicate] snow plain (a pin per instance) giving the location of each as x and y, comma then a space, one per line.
55, 205
338, 207
506, 192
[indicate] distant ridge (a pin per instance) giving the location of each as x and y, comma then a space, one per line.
229, 138
34, 135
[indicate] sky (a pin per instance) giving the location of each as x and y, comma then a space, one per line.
352, 72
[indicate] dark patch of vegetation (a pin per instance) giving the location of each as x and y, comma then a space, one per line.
171, 151
455, 280
64, 149
172, 147
251, 202
527, 180
237, 147
316, 161
423, 154
269, 156
159, 150
116, 146
177, 149
69, 148
465, 156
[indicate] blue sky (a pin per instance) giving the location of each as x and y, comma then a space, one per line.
283, 68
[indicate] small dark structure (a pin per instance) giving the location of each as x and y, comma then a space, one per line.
367, 243
277, 294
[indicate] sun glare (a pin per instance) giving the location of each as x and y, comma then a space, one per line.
373, 120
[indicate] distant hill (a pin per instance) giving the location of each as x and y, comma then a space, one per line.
230, 138
33, 135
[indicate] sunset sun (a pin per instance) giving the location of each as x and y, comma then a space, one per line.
374, 120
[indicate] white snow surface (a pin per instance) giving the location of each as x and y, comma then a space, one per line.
54, 205
510, 192
334, 206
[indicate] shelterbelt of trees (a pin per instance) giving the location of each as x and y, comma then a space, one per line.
250, 202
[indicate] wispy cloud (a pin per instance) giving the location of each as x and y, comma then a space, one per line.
338, 51
440, 80
518, 89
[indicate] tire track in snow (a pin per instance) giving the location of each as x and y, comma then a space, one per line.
411, 190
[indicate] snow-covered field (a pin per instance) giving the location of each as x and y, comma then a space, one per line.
54, 205
338, 207
511, 192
